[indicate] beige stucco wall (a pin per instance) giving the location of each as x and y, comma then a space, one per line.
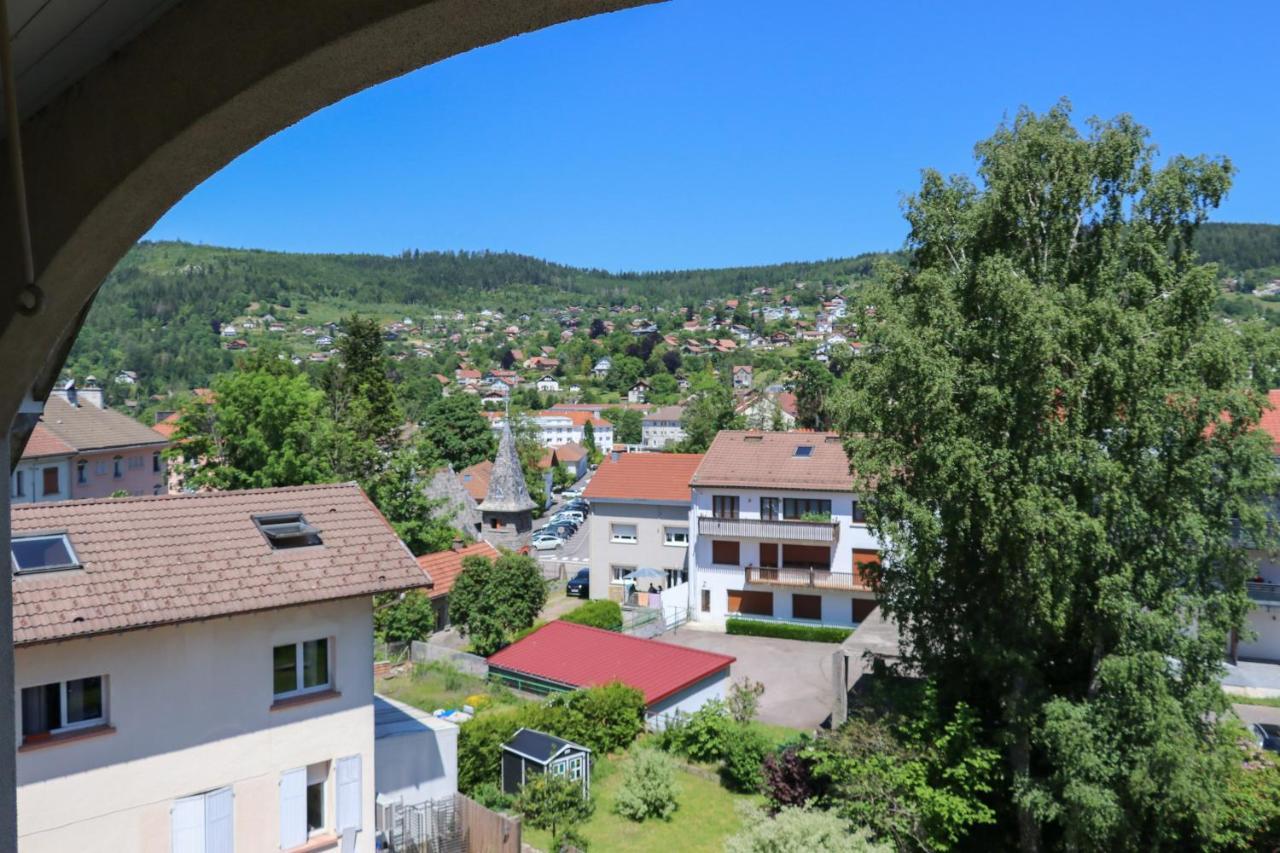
191, 708
649, 548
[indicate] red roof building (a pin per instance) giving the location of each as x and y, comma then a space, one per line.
565, 656
641, 477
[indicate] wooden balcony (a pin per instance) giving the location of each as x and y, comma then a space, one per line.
825, 532
810, 578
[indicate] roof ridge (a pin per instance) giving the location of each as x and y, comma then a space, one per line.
175, 496
574, 626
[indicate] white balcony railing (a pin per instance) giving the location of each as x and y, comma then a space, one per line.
825, 532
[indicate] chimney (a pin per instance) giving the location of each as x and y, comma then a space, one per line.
91, 393
458, 544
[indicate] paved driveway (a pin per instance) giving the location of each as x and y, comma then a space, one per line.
796, 675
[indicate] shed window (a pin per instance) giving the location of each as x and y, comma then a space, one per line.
42, 553
288, 530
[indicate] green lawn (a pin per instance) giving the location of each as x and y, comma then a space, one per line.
432, 686
1269, 701
705, 818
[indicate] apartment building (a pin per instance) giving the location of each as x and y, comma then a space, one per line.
640, 519
81, 449
556, 428
661, 427
193, 672
777, 532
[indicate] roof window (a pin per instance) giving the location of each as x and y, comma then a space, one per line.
47, 553
804, 451
287, 530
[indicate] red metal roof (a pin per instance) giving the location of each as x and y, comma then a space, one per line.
581, 656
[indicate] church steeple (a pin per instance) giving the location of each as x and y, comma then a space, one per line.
507, 490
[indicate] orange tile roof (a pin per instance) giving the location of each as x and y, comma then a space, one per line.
443, 567
645, 477
44, 443
475, 478
178, 558
1270, 420
169, 425
751, 459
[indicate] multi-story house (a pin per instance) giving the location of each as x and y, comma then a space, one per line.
777, 532
640, 519
81, 449
769, 411
661, 427
193, 672
565, 427
743, 376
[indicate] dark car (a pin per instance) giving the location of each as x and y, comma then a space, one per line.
1267, 736
579, 584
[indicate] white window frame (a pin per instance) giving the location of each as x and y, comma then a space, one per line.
678, 531
616, 572
299, 662
615, 537
65, 726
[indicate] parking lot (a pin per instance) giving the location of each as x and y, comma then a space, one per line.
573, 555
796, 674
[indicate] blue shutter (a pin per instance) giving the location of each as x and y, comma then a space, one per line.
186, 821
219, 833
349, 793
293, 808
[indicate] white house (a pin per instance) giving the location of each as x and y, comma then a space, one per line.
602, 367
193, 672
562, 427
777, 532
548, 383
639, 392
661, 427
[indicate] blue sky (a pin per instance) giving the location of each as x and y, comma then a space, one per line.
730, 132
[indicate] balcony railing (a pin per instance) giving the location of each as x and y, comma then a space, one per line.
815, 578
1266, 593
771, 530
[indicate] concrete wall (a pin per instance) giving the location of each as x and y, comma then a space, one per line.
649, 549
421, 766
192, 710
1265, 620
688, 700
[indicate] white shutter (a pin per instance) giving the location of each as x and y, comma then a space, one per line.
219, 834
186, 820
293, 808
349, 793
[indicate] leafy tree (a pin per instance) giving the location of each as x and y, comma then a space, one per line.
562, 477
492, 599
814, 385
604, 719
671, 360
555, 804
626, 372
628, 425
362, 403
798, 830
742, 754
649, 787
707, 414
788, 778
397, 491
744, 699
1040, 407
597, 328
589, 437
460, 433
663, 388
403, 617
258, 429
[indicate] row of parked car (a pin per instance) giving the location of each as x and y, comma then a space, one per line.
561, 526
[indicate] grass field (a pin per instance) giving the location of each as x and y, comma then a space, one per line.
432, 686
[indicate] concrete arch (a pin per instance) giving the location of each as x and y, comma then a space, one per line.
204, 82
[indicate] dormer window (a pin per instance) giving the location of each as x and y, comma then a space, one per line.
46, 553
804, 451
287, 530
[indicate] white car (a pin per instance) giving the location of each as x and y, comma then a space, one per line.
571, 493
547, 543
569, 515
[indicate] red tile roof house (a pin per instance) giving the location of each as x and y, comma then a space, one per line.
199, 666
442, 569
561, 656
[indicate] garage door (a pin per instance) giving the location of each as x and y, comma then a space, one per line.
750, 602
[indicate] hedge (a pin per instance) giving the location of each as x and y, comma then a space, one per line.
600, 613
787, 630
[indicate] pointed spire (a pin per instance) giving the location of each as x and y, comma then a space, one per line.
507, 491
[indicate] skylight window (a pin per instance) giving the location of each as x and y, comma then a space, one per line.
48, 553
287, 530
804, 451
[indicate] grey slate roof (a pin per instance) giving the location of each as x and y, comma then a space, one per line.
87, 427
459, 508
539, 746
507, 491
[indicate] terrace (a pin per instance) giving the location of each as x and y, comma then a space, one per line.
825, 532
813, 578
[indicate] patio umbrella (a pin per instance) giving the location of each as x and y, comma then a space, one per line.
645, 574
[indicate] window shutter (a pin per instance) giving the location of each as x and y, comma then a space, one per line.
349, 788
186, 819
293, 808
219, 835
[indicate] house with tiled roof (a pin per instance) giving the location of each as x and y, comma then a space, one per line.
764, 411
198, 666
743, 376
82, 449
639, 518
442, 569
565, 426
777, 531
661, 427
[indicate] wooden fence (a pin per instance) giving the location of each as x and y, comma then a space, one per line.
487, 831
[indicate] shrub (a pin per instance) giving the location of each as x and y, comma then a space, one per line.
744, 699
480, 747
701, 735
795, 830
649, 788
478, 700
604, 719
742, 755
787, 630
403, 617
600, 613
491, 796
788, 778
555, 804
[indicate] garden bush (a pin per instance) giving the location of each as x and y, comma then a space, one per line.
787, 630
742, 759
600, 613
795, 830
649, 787
699, 736
788, 778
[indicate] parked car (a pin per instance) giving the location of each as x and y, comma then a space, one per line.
561, 518
571, 493
579, 584
547, 542
564, 531
570, 515
1266, 736
577, 506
